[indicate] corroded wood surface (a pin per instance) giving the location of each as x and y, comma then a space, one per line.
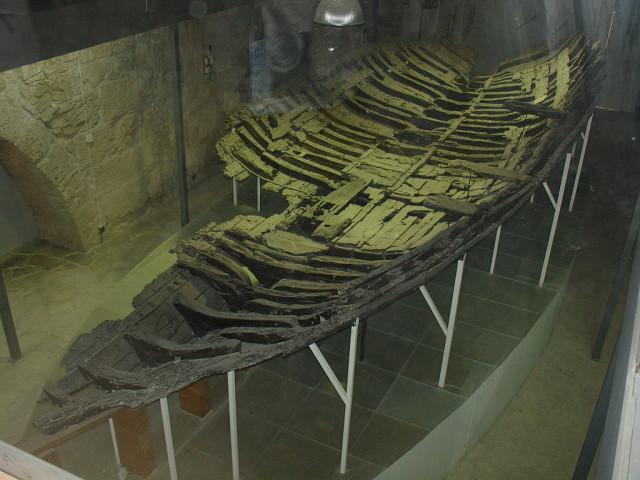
392, 167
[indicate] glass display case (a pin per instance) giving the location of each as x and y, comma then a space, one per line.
308, 239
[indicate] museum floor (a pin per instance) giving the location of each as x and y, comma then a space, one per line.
289, 416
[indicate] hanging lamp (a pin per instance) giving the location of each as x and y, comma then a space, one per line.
339, 13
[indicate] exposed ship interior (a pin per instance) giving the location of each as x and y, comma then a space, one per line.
319, 239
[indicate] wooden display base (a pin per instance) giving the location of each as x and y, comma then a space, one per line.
134, 440
196, 398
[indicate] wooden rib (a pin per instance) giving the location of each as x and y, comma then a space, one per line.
110, 378
155, 350
203, 319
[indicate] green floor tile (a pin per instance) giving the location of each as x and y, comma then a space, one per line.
291, 456
422, 405
386, 439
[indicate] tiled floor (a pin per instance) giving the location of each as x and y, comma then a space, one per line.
290, 417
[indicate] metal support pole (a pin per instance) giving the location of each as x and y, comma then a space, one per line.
353, 346
114, 440
329, 372
447, 329
233, 424
496, 244
452, 321
235, 191
168, 438
7, 322
345, 395
585, 140
258, 192
183, 192
556, 216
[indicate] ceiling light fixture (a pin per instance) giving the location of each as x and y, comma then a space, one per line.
339, 13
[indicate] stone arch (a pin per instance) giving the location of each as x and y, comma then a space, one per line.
50, 212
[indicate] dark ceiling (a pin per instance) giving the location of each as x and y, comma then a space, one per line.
35, 30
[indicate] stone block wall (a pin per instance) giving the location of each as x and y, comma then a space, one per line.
88, 137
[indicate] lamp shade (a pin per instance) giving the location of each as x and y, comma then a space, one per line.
339, 13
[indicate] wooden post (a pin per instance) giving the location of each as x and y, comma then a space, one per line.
196, 398
134, 440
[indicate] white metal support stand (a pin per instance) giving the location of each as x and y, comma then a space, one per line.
233, 424
168, 438
447, 329
345, 395
114, 440
585, 141
496, 244
557, 206
258, 192
235, 191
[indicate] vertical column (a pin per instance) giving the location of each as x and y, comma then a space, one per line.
7, 322
183, 191
235, 191
168, 438
496, 244
258, 193
452, 321
114, 440
353, 346
196, 398
134, 439
233, 424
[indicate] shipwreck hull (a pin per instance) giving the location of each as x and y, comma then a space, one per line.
392, 168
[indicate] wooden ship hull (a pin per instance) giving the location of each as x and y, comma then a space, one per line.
392, 168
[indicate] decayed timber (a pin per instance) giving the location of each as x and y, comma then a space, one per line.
392, 167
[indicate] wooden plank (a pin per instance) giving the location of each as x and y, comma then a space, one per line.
292, 243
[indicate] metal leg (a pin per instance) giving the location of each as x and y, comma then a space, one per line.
585, 140
116, 451
533, 197
446, 329
557, 204
345, 395
168, 438
258, 191
452, 321
496, 244
233, 424
349, 400
235, 192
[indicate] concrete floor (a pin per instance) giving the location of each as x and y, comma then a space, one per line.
53, 292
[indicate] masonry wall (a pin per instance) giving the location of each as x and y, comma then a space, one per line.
88, 137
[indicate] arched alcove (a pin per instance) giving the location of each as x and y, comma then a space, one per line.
16, 219
50, 213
